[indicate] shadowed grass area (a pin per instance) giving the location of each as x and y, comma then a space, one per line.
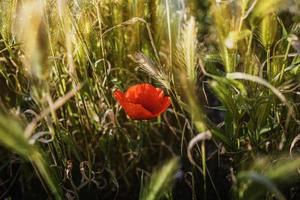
230, 68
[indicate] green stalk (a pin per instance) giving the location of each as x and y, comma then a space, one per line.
269, 70
285, 59
169, 31
203, 153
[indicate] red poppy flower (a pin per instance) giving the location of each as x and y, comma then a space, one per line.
143, 101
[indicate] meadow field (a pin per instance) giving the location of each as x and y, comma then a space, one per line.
150, 99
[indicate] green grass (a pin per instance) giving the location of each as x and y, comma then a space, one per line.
60, 126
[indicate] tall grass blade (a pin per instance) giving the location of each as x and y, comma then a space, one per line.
268, 175
160, 181
12, 137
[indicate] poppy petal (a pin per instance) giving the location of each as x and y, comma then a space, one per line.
163, 106
143, 101
146, 95
134, 111
137, 111
119, 96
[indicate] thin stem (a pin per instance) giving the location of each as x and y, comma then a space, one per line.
169, 31
269, 70
203, 153
285, 59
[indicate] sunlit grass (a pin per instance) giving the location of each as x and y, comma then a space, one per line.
231, 69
